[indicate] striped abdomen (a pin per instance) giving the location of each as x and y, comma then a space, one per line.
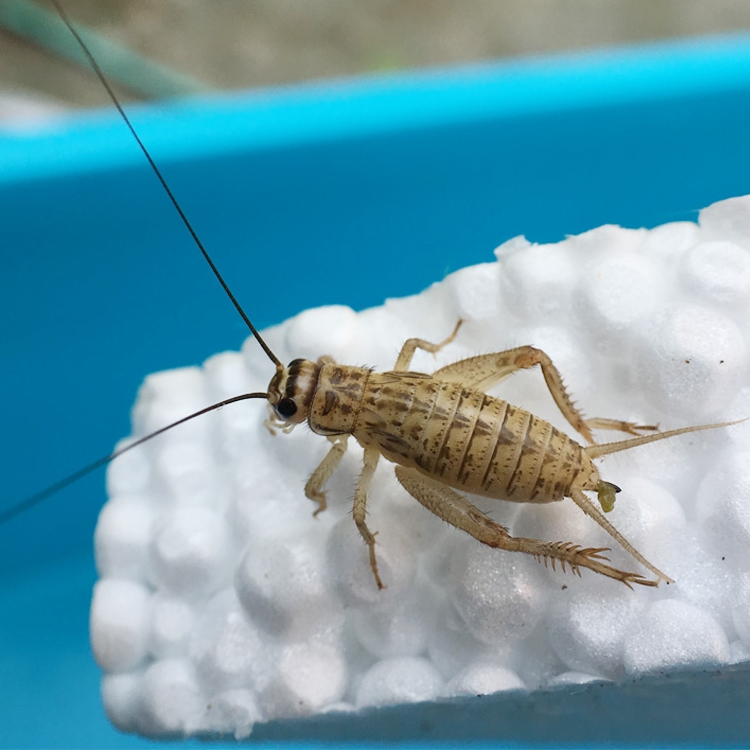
466, 439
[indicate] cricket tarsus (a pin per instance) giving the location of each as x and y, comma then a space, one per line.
33, 500
100, 75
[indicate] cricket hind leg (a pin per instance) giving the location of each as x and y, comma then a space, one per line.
486, 370
459, 512
619, 425
593, 512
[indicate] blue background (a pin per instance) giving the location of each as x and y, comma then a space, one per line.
341, 192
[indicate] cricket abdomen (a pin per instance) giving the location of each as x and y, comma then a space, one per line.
467, 439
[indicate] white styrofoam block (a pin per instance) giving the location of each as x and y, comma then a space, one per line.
223, 603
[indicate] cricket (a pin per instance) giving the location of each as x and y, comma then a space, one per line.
443, 432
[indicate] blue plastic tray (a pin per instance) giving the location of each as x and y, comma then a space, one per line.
339, 192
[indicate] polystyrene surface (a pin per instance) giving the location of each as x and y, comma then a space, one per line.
285, 617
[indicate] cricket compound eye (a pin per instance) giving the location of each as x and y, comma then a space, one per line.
286, 408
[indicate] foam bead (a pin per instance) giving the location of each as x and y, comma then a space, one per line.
308, 677
119, 623
233, 712
172, 620
623, 291
163, 398
348, 562
719, 271
450, 646
227, 650
649, 516
332, 328
282, 586
674, 634
738, 652
727, 220
483, 678
538, 280
171, 699
130, 474
669, 242
500, 597
474, 291
122, 537
191, 551
723, 506
588, 633
399, 680
399, 630
694, 361
121, 693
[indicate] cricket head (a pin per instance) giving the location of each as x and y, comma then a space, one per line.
290, 392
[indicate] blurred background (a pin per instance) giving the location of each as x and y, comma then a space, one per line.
239, 43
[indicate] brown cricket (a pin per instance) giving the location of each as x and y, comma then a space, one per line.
445, 434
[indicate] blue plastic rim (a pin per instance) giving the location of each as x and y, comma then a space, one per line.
341, 192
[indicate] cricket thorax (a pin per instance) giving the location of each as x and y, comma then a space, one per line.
338, 398
291, 391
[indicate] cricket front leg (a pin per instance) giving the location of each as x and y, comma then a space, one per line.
359, 510
314, 487
459, 512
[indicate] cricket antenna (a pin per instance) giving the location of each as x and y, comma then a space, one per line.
24, 505
33, 500
100, 75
